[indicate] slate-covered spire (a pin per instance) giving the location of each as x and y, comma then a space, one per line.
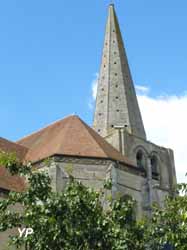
116, 102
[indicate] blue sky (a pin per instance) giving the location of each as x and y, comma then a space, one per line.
51, 50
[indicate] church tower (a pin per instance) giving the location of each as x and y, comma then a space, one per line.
118, 119
116, 102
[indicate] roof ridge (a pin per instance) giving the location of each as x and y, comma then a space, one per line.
43, 128
70, 136
7, 145
57, 135
87, 129
12, 142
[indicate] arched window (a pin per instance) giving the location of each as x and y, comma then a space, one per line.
140, 159
154, 166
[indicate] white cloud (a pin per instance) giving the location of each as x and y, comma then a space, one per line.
94, 86
165, 121
142, 89
94, 90
165, 124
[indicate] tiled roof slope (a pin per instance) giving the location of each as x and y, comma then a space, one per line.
69, 136
7, 181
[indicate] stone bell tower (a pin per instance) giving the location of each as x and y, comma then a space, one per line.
118, 119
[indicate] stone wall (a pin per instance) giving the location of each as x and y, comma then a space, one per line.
91, 172
129, 147
152, 188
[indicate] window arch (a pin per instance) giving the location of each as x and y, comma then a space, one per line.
154, 166
140, 156
140, 159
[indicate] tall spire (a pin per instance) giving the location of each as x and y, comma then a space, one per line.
116, 102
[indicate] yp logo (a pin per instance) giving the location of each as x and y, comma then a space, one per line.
24, 232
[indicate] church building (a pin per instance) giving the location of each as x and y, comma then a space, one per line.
115, 148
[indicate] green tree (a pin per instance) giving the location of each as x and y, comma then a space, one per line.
76, 219
72, 219
168, 226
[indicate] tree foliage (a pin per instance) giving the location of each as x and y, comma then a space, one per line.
72, 219
76, 219
168, 226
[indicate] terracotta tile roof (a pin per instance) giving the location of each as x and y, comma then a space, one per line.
69, 136
7, 181
8, 146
